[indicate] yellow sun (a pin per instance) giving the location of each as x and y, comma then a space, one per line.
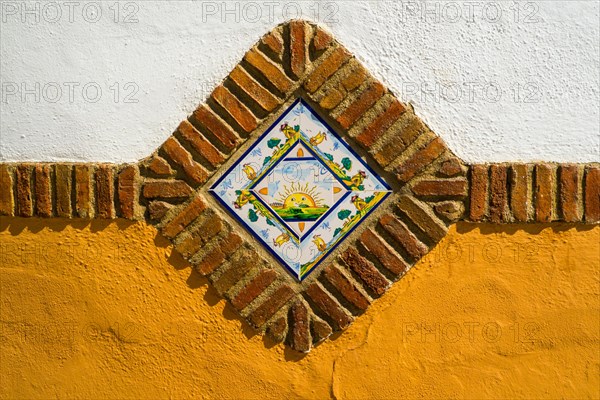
298, 195
299, 199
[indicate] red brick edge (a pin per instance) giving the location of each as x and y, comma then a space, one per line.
434, 188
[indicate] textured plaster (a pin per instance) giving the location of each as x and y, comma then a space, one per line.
494, 83
108, 310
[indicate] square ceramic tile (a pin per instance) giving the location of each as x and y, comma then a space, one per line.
300, 190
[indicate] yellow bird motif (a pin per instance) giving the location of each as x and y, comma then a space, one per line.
281, 239
318, 138
358, 179
320, 243
249, 171
359, 203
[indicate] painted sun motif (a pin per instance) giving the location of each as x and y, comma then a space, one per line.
299, 202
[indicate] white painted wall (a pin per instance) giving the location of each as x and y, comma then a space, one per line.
499, 81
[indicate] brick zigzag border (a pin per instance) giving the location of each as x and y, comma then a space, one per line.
432, 187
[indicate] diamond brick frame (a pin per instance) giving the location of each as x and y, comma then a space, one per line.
432, 188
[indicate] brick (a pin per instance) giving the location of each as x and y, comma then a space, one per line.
239, 266
379, 125
479, 189
83, 207
274, 42
265, 99
104, 192
270, 71
24, 199
320, 330
199, 236
160, 167
592, 194
157, 209
451, 167
346, 288
568, 197
365, 101
452, 211
330, 308
6, 191
403, 236
221, 131
441, 188
326, 69
297, 47
419, 215
253, 289
185, 217
167, 189
64, 179
423, 157
214, 258
200, 144
355, 78
332, 98
235, 108
398, 141
271, 305
277, 329
322, 39
365, 270
498, 193
519, 198
300, 339
384, 253
543, 192
43, 192
127, 191
180, 156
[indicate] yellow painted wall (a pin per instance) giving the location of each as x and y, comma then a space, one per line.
107, 310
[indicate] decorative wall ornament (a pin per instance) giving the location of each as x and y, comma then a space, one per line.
300, 148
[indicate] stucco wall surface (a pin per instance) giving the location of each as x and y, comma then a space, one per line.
110, 81
108, 310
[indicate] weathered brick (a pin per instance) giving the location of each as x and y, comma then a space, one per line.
423, 157
322, 39
568, 198
157, 209
300, 338
214, 258
365, 101
269, 70
104, 192
451, 167
441, 188
235, 108
332, 98
64, 179
253, 289
274, 42
83, 206
7, 204
166, 189
43, 196
498, 193
24, 199
277, 329
271, 305
403, 236
221, 131
127, 189
543, 192
519, 198
185, 217
346, 288
160, 167
479, 189
377, 128
355, 78
330, 308
398, 141
200, 235
180, 156
240, 264
365, 270
265, 99
384, 253
200, 144
419, 215
326, 69
592, 194
452, 211
319, 329
297, 47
